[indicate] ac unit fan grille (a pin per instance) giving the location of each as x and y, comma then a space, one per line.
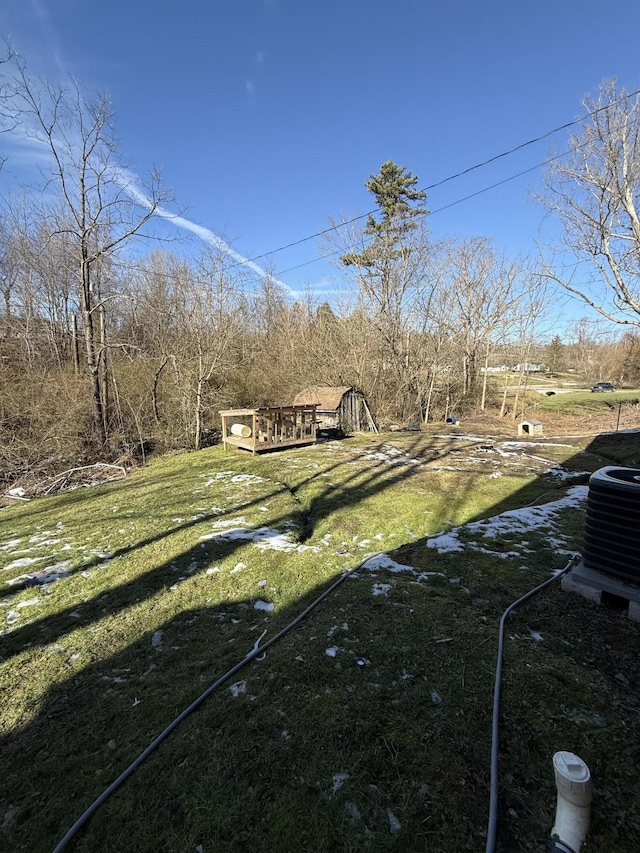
612, 528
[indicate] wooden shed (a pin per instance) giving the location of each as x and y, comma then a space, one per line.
268, 427
338, 407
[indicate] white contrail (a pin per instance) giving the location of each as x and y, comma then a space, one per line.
31, 146
126, 182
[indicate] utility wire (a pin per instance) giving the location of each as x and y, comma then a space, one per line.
429, 187
449, 178
325, 256
444, 206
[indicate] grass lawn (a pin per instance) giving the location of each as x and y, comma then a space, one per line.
367, 726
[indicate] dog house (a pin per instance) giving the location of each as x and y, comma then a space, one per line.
530, 427
268, 427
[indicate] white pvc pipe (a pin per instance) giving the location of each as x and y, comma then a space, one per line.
573, 809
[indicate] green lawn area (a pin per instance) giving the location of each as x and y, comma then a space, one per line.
367, 726
583, 402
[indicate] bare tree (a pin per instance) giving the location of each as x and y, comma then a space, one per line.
100, 207
594, 192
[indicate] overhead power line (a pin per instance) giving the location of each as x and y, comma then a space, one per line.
446, 180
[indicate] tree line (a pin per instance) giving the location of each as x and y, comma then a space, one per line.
110, 344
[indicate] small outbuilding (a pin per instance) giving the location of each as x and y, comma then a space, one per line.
338, 407
268, 427
530, 427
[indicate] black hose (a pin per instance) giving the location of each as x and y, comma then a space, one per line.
130, 770
493, 787
557, 846
257, 650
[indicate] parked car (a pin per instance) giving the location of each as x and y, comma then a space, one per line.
602, 386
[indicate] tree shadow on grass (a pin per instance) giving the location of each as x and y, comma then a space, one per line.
223, 780
409, 729
354, 487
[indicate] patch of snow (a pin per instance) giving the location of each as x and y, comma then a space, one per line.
338, 781
10, 545
381, 589
331, 651
265, 538
502, 554
444, 543
394, 823
560, 474
382, 561
246, 478
219, 525
9, 815
528, 444
43, 576
156, 640
512, 522
238, 688
22, 562
20, 579
353, 811
267, 606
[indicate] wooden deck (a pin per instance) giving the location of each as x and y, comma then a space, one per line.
269, 427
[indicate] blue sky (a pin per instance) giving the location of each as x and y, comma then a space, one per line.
267, 116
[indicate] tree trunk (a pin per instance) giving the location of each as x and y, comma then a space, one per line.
154, 391
429, 396
90, 346
484, 379
198, 420
75, 347
104, 370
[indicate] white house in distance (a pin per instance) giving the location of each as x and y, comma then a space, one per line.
516, 368
528, 368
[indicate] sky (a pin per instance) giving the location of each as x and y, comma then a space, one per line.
267, 117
